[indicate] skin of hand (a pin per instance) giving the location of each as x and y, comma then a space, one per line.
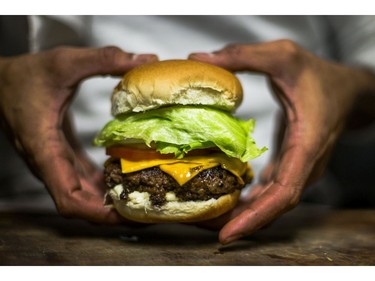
316, 97
36, 91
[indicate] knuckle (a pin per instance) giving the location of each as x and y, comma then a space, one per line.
290, 56
290, 195
293, 201
57, 55
234, 49
62, 206
18, 144
234, 57
293, 197
109, 55
55, 63
290, 51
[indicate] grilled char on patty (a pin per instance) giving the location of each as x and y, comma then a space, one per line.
210, 183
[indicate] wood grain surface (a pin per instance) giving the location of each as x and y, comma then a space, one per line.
308, 235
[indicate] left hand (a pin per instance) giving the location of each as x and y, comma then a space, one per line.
36, 91
316, 97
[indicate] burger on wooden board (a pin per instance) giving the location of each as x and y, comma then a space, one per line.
176, 153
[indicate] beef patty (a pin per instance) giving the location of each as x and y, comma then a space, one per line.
210, 183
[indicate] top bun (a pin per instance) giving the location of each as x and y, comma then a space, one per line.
176, 82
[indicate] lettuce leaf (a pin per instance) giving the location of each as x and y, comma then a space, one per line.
179, 129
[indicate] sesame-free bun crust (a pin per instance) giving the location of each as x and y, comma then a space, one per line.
141, 210
174, 82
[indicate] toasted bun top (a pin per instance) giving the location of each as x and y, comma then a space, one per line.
173, 82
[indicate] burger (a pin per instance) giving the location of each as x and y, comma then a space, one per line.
176, 152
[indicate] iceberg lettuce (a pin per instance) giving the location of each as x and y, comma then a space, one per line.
179, 129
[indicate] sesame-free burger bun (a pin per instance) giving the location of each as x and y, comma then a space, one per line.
177, 153
139, 208
174, 82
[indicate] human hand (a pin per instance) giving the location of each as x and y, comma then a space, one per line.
316, 97
35, 93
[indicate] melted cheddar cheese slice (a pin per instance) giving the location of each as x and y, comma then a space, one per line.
183, 170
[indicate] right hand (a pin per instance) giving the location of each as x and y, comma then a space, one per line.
316, 96
36, 91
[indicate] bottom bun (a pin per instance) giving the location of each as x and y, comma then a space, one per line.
138, 207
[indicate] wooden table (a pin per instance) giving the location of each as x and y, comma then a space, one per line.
308, 235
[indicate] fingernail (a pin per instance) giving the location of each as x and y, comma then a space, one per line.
144, 57
201, 55
231, 239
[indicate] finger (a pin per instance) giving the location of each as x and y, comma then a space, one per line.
269, 58
267, 173
57, 167
236, 57
268, 206
219, 222
86, 203
255, 192
89, 168
279, 196
76, 64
